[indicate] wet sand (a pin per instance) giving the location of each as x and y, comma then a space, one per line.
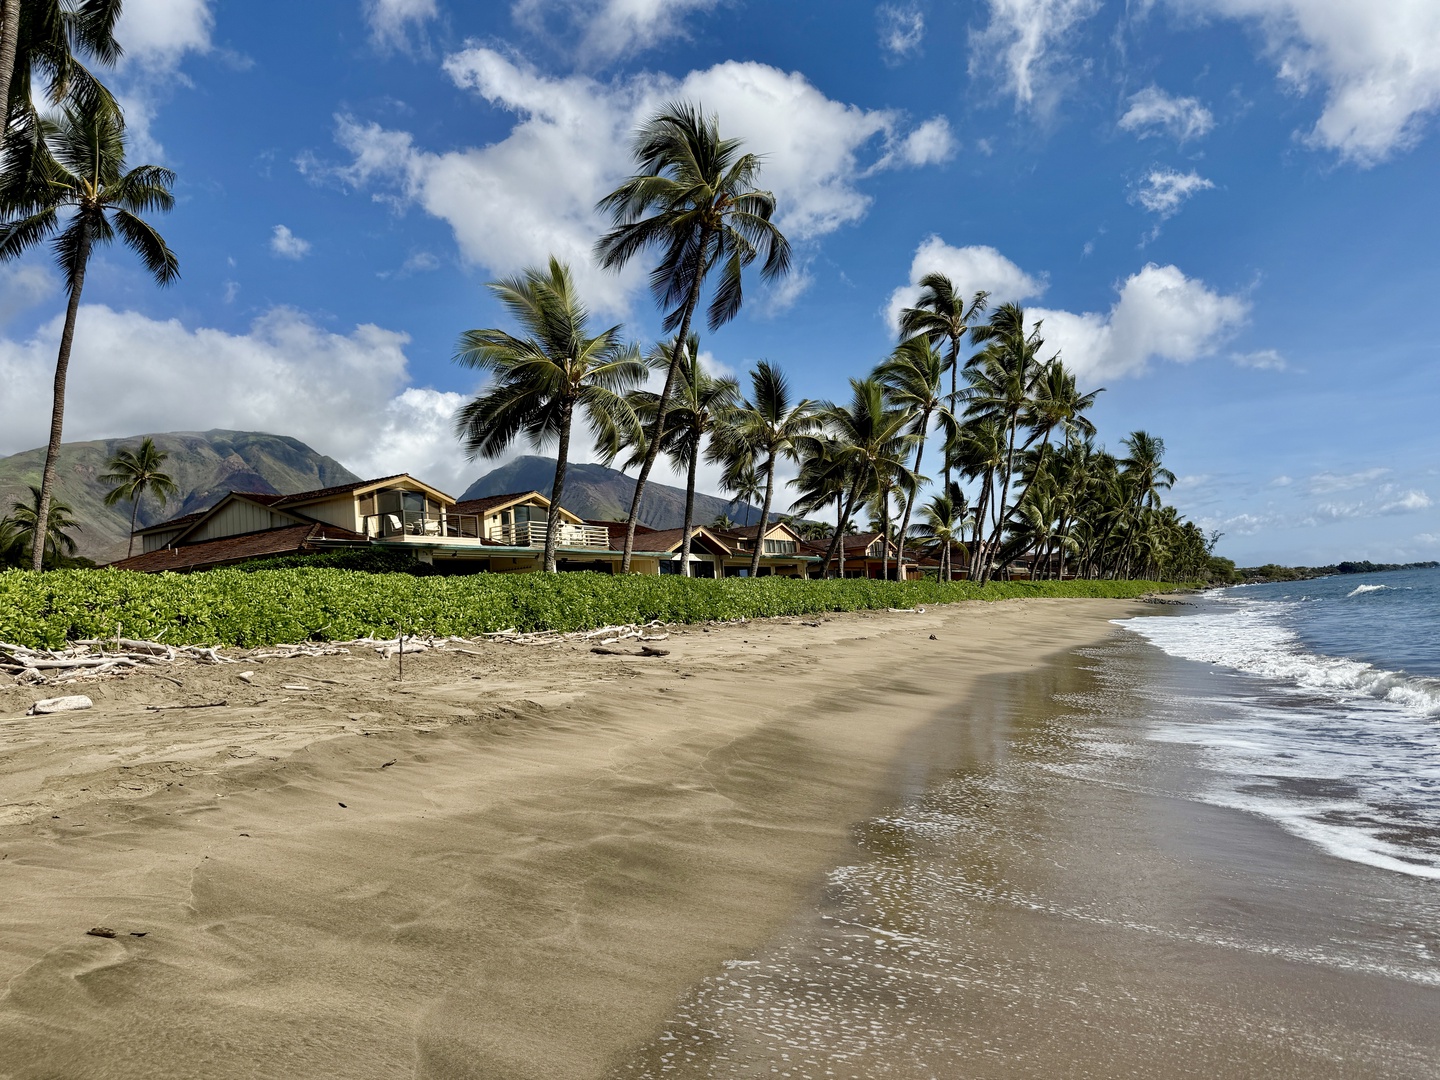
564, 846
1046, 897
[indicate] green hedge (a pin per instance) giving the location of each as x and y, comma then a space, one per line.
266, 607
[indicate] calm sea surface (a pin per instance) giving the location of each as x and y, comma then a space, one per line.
1206, 848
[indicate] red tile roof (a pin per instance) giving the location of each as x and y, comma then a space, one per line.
490, 502
291, 540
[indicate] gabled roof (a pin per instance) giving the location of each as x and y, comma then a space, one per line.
492, 504
671, 540
746, 533
617, 533
173, 523
360, 487
290, 540
270, 502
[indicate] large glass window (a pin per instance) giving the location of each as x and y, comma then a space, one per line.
779, 547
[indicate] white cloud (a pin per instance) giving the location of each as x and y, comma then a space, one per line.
613, 28
1406, 502
1026, 40
1152, 112
1163, 190
929, 144
1160, 315
23, 286
901, 28
390, 20
1325, 483
1379, 65
156, 36
287, 245
346, 395
1262, 359
510, 205
973, 269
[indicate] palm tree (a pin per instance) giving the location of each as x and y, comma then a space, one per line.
1143, 467
913, 377
82, 171
824, 479
42, 37
701, 401
542, 379
1002, 381
134, 473
57, 517
760, 432
695, 199
941, 315
867, 439
942, 525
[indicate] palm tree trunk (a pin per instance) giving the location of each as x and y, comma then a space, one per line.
682, 342
977, 545
689, 512
915, 492
1000, 512
954, 393
837, 542
885, 534
134, 513
9, 38
764, 515
562, 461
57, 410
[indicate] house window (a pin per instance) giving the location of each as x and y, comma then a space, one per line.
669, 566
779, 547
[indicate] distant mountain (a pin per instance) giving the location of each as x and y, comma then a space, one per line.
600, 494
204, 465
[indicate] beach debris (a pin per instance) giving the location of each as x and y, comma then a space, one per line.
644, 650
295, 686
388, 763
138, 933
201, 705
245, 676
69, 703
344, 807
917, 610
934, 638
101, 931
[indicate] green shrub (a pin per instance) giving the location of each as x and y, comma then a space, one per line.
250, 607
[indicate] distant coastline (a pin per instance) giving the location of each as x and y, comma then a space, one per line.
1258, 575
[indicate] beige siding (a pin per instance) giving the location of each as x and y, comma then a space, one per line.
237, 518
156, 541
340, 511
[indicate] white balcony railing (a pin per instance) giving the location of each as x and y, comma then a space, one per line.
532, 534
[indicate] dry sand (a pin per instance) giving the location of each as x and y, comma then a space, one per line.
563, 844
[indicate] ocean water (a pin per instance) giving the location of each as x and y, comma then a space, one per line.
1203, 849
1328, 720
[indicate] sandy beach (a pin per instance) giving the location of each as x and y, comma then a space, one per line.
870, 845
512, 864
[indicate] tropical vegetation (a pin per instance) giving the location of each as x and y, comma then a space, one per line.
272, 606
135, 474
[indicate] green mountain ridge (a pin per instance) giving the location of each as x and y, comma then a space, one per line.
204, 464
600, 494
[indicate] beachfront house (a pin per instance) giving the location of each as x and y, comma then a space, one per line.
499, 533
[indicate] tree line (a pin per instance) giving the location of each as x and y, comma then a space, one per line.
1021, 475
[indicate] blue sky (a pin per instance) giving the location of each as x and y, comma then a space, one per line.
1222, 209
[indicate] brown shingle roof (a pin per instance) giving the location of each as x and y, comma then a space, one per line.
325, 493
291, 540
173, 523
490, 502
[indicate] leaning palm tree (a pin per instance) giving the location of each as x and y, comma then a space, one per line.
55, 536
1142, 466
701, 402
695, 199
541, 380
136, 473
82, 171
758, 434
941, 315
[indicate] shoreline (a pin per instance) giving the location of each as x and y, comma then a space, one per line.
526, 891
